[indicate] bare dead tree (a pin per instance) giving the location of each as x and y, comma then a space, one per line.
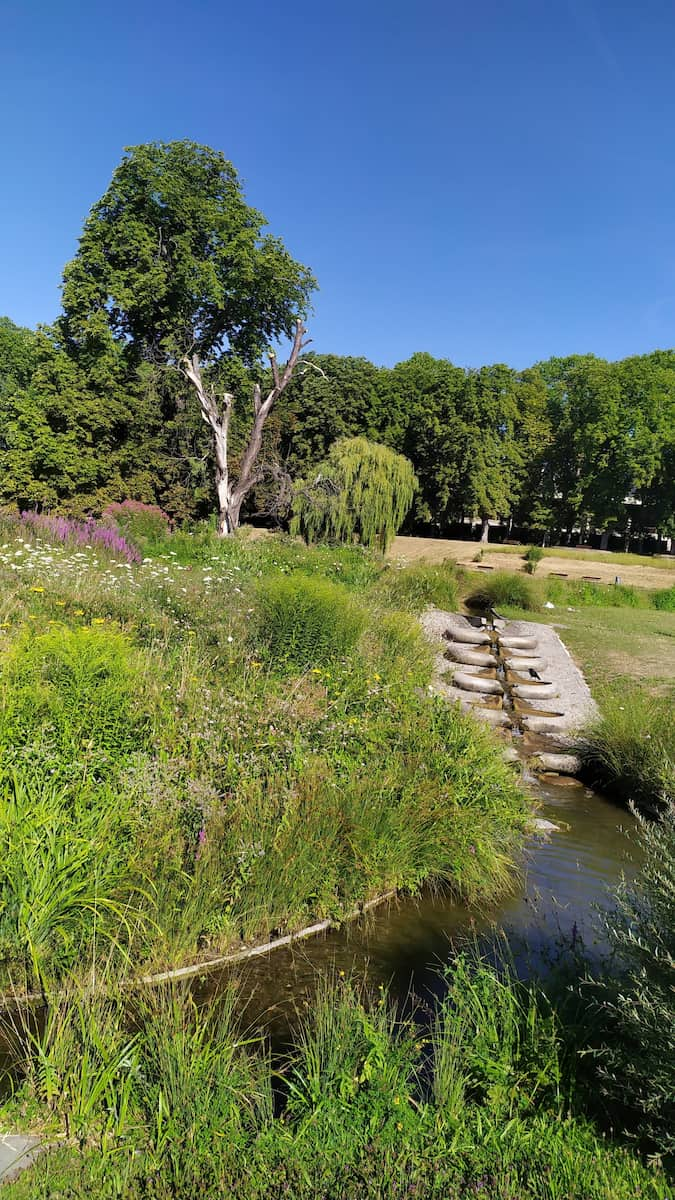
232, 493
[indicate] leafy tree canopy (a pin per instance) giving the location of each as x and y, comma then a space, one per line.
173, 261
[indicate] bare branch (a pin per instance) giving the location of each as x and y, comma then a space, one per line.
275, 369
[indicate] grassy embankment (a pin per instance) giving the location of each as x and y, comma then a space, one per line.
222, 745
178, 778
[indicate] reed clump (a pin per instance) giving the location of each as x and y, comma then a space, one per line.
475, 1100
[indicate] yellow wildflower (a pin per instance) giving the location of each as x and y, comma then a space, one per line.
98, 621
60, 603
37, 589
79, 612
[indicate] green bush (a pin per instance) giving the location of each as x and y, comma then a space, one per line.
398, 649
636, 1062
420, 587
664, 599
533, 557
77, 691
137, 521
507, 589
370, 1105
301, 621
64, 878
630, 751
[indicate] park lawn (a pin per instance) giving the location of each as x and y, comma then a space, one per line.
618, 644
633, 569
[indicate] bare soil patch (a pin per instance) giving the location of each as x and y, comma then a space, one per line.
435, 550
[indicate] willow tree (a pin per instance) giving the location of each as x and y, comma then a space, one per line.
361, 491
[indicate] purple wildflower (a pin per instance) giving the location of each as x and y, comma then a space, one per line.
81, 533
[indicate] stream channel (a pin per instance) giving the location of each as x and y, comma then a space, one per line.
405, 943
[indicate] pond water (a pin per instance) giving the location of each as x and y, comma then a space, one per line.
564, 876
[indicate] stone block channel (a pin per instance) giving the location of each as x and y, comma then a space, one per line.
515, 675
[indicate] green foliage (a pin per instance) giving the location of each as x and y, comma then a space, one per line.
583, 593
70, 697
505, 588
173, 260
630, 751
362, 490
398, 649
369, 1104
64, 874
144, 523
664, 599
533, 557
636, 1062
421, 586
302, 621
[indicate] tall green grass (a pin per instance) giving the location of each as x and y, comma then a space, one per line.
630, 750
664, 599
66, 882
421, 586
303, 622
583, 593
505, 588
474, 1101
635, 1000
72, 695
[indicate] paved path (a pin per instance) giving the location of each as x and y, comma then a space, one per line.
17, 1151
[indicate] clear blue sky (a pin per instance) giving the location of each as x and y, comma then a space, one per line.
489, 182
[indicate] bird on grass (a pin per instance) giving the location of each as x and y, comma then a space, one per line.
533, 674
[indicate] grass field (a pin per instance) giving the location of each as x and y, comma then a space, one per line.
614, 644
634, 570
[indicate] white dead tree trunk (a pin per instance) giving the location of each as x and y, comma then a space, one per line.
232, 493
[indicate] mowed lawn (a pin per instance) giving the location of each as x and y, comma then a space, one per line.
633, 570
615, 644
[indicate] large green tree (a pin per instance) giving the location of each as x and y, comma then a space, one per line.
175, 267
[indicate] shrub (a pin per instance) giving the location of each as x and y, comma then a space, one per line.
420, 587
533, 557
636, 1062
664, 599
77, 689
630, 751
369, 1105
505, 588
608, 595
138, 521
57, 888
301, 621
399, 650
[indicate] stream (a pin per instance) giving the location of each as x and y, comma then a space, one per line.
404, 944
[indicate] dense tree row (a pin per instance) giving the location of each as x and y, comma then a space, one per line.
575, 444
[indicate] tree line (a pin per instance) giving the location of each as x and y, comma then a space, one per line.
157, 383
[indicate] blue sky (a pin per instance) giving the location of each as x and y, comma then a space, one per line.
489, 182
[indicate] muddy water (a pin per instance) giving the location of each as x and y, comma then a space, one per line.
563, 877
